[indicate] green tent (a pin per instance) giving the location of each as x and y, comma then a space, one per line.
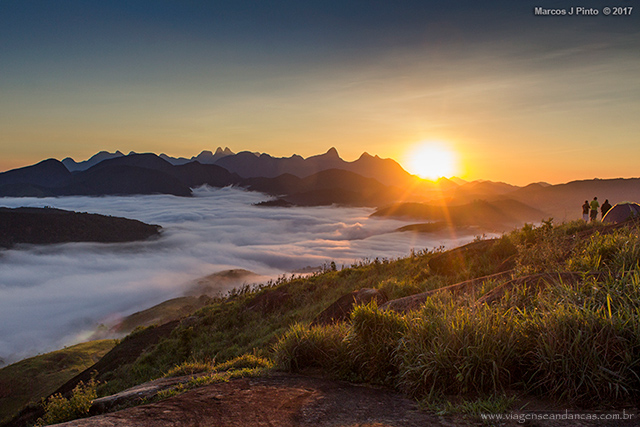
622, 212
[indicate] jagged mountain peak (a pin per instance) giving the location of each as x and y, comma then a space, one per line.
332, 152
72, 165
226, 151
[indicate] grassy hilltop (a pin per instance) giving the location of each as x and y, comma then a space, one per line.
561, 320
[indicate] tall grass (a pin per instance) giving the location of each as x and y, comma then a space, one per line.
582, 355
372, 342
461, 351
577, 341
308, 347
615, 252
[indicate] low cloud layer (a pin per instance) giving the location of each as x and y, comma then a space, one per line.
55, 295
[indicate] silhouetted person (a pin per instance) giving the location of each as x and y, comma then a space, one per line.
605, 207
594, 209
585, 211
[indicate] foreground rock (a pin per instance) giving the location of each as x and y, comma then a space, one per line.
49, 225
280, 400
287, 400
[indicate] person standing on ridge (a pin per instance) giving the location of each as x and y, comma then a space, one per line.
585, 211
605, 207
594, 209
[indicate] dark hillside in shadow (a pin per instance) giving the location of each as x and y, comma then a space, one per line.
46, 225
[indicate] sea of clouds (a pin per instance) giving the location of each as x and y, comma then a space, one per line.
56, 295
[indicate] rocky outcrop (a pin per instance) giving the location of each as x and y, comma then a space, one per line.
270, 300
536, 283
414, 302
282, 400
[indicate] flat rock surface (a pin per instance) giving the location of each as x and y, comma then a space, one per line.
287, 400
278, 400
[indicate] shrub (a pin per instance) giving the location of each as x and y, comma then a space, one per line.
373, 340
318, 346
246, 361
545, 248
190, 368
214, 378
59, 409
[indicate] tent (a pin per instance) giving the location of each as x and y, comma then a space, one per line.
622, 212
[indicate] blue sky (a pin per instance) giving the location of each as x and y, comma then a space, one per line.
518, 97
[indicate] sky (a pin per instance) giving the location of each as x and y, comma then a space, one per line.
55, 295
517, 97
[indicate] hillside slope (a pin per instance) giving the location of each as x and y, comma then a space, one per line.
493, 317
46, 373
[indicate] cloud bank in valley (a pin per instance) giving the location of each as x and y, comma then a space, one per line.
54, 295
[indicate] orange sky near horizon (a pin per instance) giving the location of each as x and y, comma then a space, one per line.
517, 98
490, 155
486, 163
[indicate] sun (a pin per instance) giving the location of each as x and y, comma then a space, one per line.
432, 160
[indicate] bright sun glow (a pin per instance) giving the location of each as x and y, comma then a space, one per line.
432, 160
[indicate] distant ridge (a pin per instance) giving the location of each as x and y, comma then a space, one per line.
34, 180
74, 166
564, 201
331, 186
120, 175
317, 180
496, 215
205, 157
147, 173
250, 165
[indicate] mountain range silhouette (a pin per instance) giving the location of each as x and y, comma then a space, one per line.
323, 179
